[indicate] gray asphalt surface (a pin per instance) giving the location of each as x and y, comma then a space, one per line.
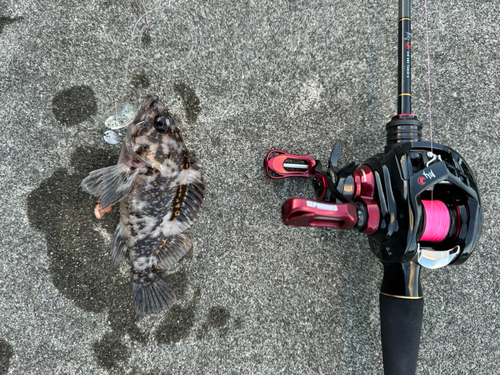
255, 297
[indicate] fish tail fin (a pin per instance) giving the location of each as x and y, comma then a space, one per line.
118, 247
151, 294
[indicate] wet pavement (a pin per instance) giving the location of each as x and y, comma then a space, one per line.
254, 297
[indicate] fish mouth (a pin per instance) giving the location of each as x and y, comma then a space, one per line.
148, 103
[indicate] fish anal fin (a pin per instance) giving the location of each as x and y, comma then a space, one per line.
172, 250
118, 247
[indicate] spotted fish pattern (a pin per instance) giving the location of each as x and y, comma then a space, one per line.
160, 191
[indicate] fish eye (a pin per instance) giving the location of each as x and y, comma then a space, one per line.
162, 124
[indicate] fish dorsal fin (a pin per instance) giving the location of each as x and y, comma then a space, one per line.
185, 207
110, 184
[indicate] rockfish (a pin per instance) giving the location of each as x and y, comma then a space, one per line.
160, 190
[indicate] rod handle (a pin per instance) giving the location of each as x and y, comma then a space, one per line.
401, 321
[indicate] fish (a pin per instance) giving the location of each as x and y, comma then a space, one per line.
160, 190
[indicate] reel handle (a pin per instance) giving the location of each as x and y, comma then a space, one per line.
281, 164
300, 212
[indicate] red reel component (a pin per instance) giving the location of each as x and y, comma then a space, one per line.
364, 189
300, 212
284, 165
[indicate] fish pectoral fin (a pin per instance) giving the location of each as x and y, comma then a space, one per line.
110, 184
172, 250
118, 247
151, 294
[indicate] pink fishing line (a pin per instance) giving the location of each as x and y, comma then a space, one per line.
428, 69
437, 221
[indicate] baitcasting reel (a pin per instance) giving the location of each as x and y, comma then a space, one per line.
417, 202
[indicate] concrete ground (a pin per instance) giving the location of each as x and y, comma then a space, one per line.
254, 297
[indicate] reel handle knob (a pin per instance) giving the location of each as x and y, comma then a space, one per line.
300, 212
280, 164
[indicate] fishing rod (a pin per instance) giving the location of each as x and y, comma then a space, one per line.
418, 202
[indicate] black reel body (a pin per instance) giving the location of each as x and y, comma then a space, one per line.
400, 181
404, 177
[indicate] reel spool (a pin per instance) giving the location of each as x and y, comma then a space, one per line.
438, 221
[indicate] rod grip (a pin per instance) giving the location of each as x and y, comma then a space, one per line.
401, 321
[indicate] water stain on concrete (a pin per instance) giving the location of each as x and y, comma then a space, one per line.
202, 331
74, 105
190, 102
146, 38
140, 81
177, 281
177, 323
6, 353
4, 21
110, 351
217, 318
77, 247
